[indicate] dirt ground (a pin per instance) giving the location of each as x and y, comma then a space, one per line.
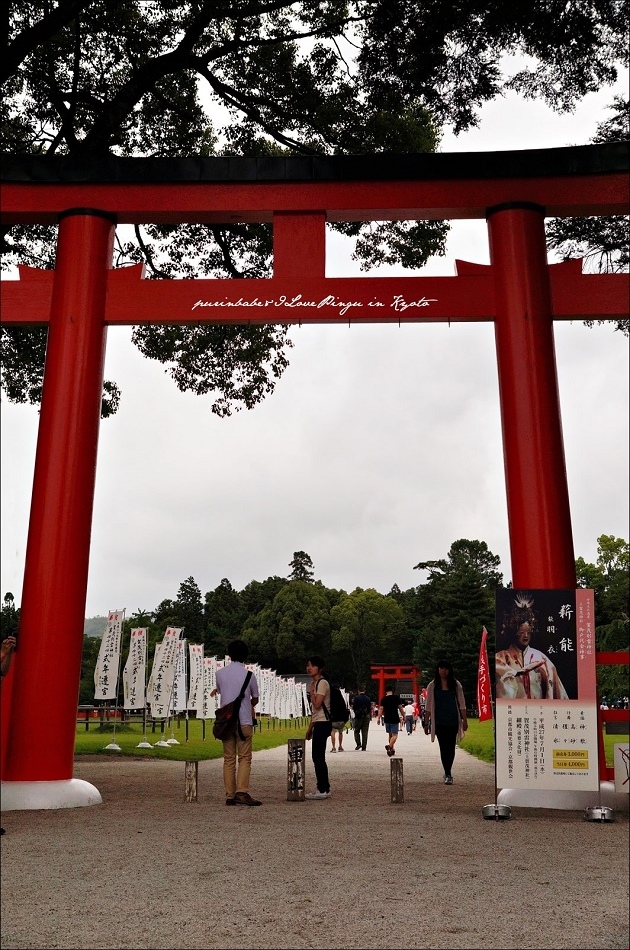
148, 870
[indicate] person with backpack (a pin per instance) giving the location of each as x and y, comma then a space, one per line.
362, 709
320, 726
230, 681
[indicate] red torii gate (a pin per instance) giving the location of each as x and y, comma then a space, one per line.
519, 291
381, 672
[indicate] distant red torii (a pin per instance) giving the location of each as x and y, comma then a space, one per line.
382, 672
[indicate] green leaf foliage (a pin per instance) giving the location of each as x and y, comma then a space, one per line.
610, 579
366, 625
603, 241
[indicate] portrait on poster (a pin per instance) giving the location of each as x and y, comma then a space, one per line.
545, 680
536, 649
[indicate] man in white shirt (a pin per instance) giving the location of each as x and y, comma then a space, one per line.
230, 679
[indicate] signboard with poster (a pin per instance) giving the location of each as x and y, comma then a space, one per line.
546, 690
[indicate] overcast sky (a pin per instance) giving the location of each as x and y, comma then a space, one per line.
380, 447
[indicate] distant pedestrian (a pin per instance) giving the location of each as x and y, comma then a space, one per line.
230, 679
319, 727
445, 715
362, 712
391, 711
337, 731
408, 711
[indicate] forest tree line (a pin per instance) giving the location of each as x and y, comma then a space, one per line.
286, 619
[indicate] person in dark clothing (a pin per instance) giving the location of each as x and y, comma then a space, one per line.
445, 715
362, 710
392, 713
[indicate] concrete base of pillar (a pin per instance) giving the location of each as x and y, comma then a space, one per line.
65, 793
567, 800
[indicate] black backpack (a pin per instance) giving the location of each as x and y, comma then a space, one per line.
362, 706
339, 711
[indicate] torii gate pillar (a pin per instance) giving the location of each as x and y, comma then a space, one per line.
58, 546
539, 517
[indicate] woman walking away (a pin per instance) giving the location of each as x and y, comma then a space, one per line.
445, 715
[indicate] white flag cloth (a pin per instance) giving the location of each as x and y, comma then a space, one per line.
179, 683
134, 673
163, 674
209, 706
108, 662
195, 686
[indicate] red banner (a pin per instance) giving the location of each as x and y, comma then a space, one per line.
484, 693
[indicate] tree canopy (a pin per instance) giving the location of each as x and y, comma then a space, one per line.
302, 568
266, 77
601, 241
284, 620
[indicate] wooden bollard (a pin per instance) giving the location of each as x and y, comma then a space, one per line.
191, 776
398, 790
296, 750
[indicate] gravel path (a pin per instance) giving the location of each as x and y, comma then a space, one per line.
147, 870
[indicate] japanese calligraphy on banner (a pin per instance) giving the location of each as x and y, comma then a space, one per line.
107, 664
178, 702
209, 703
195, 685
546, 690
160, 688
134, 673
484, 693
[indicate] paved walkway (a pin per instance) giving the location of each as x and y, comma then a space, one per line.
147, 870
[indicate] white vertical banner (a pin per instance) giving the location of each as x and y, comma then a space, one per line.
265, 692
210, 666
134, 673
255, 668
107, 664
163, 674
284, 699
195, 686
296, 698
178, 702
277, 696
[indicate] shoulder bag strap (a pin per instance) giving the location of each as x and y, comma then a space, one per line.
239, 701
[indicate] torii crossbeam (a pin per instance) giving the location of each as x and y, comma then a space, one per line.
518, 291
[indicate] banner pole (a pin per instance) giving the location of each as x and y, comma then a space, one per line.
484, 695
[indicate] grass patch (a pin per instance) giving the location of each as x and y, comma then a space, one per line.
269, 734
479, 739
